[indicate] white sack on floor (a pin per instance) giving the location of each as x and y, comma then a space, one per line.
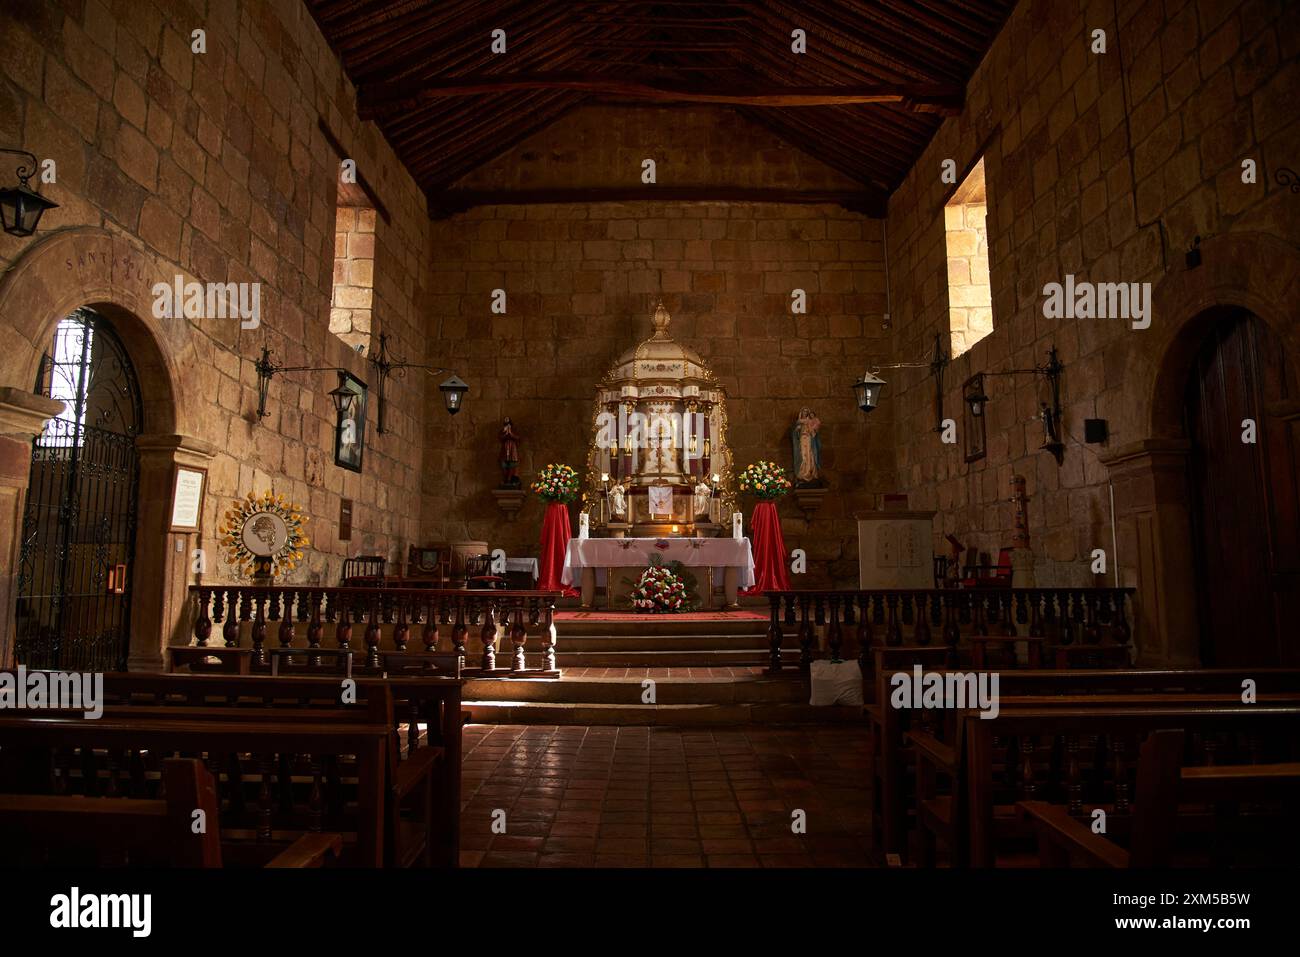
836, 683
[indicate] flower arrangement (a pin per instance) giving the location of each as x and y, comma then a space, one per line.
664, 589
765, 479
242, 511
556, 483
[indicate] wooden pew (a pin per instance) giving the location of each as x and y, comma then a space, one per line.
64, 753
42, 830
891, 753
1054, 733
1163, 784
429, 773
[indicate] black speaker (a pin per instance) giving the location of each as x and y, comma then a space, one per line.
1094, 430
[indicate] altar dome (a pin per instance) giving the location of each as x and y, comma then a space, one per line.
660, 357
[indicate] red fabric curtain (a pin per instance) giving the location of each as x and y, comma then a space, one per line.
770, 572
555, 542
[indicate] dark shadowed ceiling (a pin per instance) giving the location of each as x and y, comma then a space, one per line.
880, 75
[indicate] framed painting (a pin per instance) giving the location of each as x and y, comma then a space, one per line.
350, 436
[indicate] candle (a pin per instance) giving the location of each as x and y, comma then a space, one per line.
674, 529
604, 476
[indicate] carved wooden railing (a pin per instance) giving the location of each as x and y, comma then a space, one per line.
941, 616
407, 612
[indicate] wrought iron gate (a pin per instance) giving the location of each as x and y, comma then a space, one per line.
74, 575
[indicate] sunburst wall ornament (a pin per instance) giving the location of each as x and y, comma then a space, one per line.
263, 537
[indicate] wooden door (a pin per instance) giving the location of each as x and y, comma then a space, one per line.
1246, 520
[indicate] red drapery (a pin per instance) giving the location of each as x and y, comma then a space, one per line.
555, 542
770, 573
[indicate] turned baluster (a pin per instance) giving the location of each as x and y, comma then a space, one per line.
1027, 786
1073, 782
315, 628
979, 624
315, 799
343, 634
548, 636
951, 628
789, 609
265, 766
922, 633
807, 635
1119, 746
865, 637
1008, 626
1091, 629
429, 638
1122, 631
774, 636
236, 611
518, 636
460, 633
1063, 617
833, 634
373, 630
203, 624
285, 633
488, 635
259, 629
1036, 626
402, 628
893, 632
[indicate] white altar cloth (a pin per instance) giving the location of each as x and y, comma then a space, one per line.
635, 552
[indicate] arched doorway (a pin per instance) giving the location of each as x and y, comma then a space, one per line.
1244, 479
75, 571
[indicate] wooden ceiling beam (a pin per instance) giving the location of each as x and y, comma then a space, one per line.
448, 202
378, 99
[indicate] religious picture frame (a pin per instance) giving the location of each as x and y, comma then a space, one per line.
350, 433
189, 483
973, 428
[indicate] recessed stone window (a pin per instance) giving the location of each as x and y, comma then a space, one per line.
970, 300
354, 273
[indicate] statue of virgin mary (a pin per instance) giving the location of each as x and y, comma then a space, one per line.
807, 448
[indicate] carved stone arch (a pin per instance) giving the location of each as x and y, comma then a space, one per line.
115, 276
1248, 271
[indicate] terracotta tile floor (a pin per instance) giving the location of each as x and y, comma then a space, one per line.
665, 797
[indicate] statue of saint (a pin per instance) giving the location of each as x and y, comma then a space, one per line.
807, 448
700, 500
509, 440
618, 501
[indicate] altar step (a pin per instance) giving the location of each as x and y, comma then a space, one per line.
667, 644
742, 699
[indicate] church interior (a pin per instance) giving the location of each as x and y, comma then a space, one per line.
603, 434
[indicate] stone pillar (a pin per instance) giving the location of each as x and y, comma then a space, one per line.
22, 417
1153, 519
160, 613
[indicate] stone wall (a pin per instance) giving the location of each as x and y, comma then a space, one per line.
581, 283
1076, 185
215, 163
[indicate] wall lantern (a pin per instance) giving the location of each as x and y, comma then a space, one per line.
975, 396
867, 389
21, 208
452, 390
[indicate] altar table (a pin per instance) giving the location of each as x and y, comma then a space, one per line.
630, 556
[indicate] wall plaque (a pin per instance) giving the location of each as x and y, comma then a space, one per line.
188, 486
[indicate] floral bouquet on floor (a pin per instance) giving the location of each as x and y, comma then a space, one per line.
556, 483
664, 589
767, 480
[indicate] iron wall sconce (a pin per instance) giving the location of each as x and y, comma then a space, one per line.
1049, 414
21, 208
453, 390
867, 389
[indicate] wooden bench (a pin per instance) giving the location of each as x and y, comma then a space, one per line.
45, 830
121, 754
1045, 753
891, 750
1163, 784
427, 773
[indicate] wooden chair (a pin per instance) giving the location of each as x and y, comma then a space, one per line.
478, 573
364, 567
44, 829
980, 574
